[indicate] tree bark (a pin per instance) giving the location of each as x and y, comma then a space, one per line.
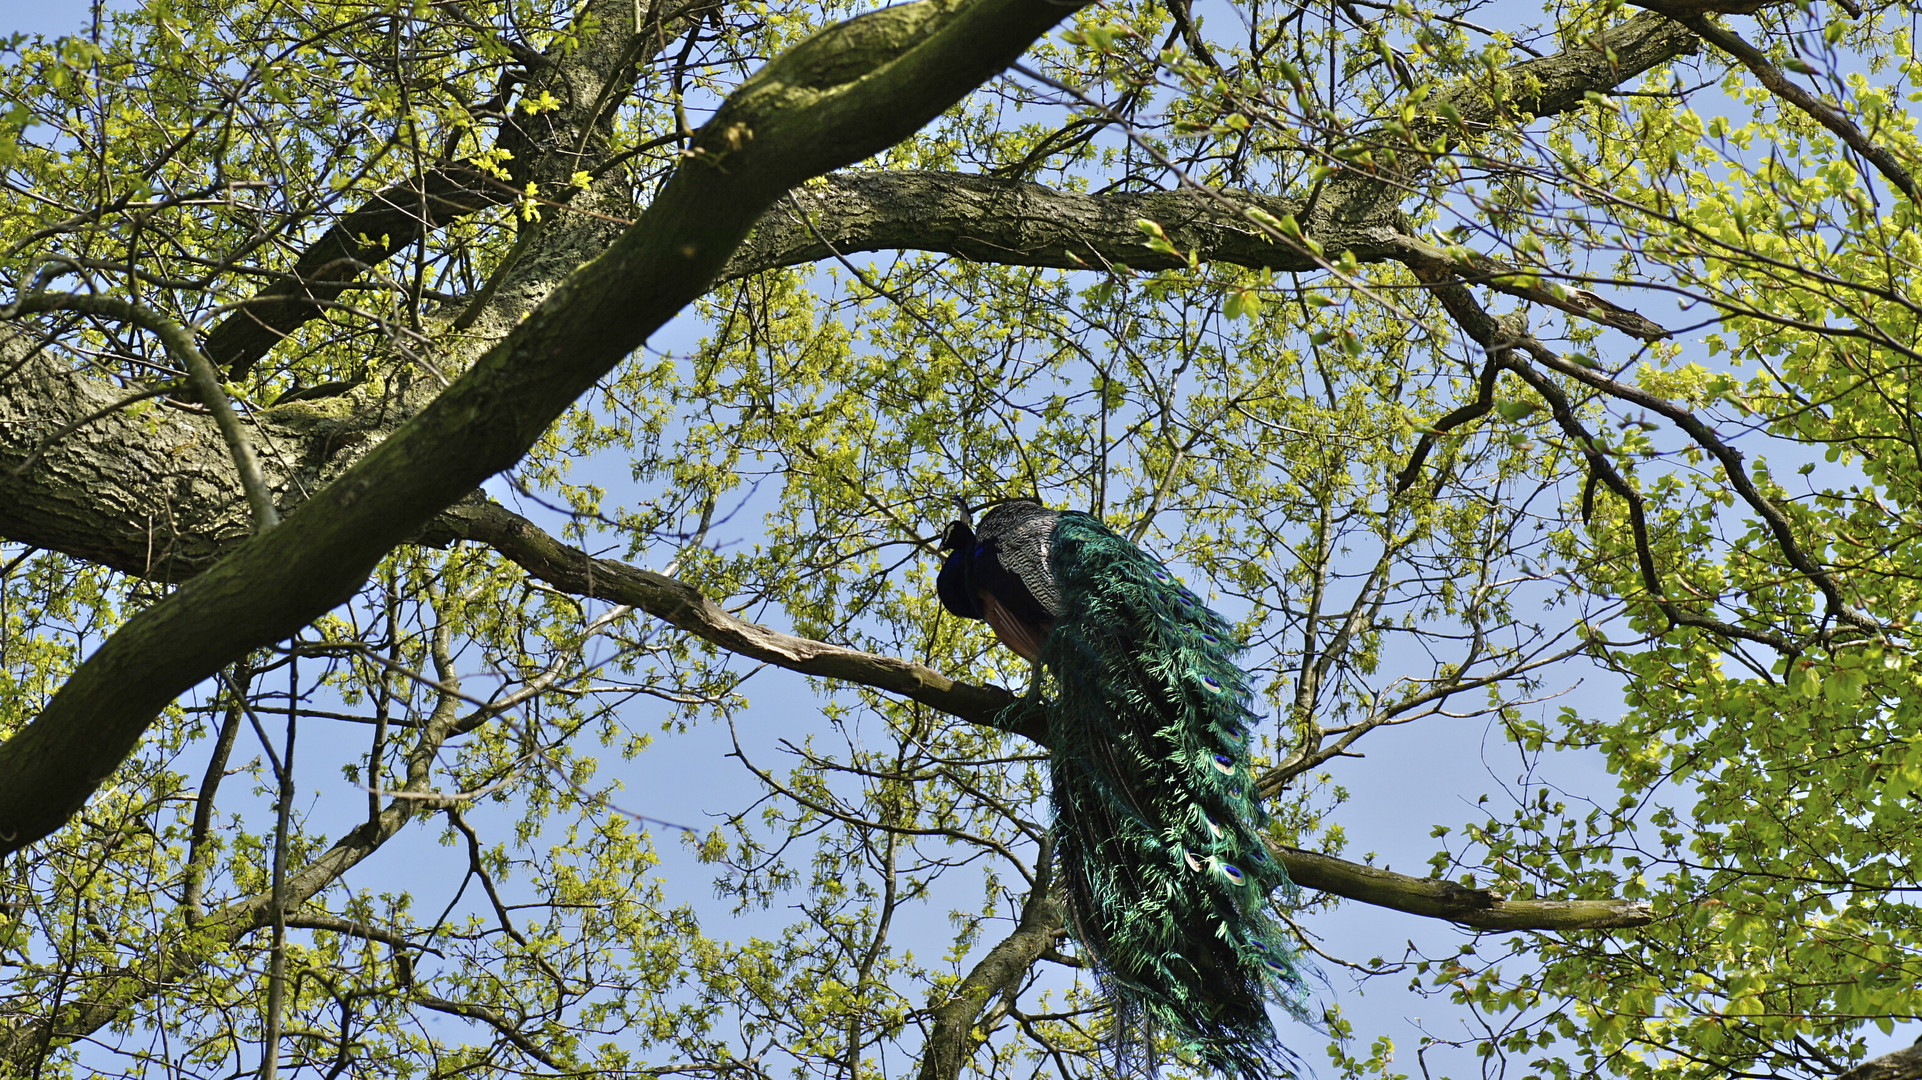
834, 99
1903, 1064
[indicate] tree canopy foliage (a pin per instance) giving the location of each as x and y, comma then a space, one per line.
1459, 354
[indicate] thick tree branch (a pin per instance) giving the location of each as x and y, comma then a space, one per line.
951, 1040
1437, 899
334, 924
833, 99
685, 607
150, 491
1014, 222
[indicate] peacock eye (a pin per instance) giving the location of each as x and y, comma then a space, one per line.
1260, 945
1194, 861
1212, 683
1226, 764
1212, 827
1234, 873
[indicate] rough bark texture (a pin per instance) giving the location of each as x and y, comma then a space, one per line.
1019, 223
148, 491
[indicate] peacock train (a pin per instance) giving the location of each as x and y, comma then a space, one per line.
1157, 828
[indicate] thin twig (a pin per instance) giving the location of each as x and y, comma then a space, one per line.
1788, 90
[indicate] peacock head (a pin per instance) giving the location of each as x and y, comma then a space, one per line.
954, 585
958, 536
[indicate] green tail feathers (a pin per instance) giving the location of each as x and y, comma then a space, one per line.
1158, 833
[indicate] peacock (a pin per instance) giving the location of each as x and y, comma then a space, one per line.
1157, 832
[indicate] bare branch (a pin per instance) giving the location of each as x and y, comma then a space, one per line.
495, 1019
334, 924
1732, 470
680, 604
1437, 899
1478, 269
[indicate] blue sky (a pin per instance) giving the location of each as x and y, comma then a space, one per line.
44, 16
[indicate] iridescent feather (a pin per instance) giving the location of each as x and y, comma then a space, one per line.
1158, 834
